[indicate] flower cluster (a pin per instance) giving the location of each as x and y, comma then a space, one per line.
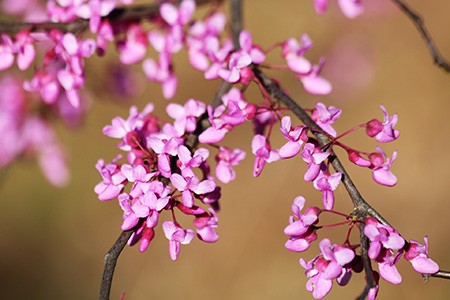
338, 261
27, 135
163, 172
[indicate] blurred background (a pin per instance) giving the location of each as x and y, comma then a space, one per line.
52, 241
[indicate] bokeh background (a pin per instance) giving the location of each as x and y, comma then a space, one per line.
52, 241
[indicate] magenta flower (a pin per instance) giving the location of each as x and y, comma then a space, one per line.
383, 132
188, 161
94, 10
381, 236
417, 255
191, 185
176, 236
145, 235
134, 47
383, 241
133, 210
296, 136
186, 116
178, 16
357, 159
113, 180
123, 129
226, 159
239, 60
6, 52
25, 50
261, 149
46, 84
300, 230
313, 82
165, 148
293, 52
381, 166
327, 183
205, 224
325, 116
161, 72
136, 173
203, 42
314, 157
325, 267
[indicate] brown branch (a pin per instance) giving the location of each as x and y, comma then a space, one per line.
441, 274
236, 21
110, 263
124, 14
371, 283
418, 22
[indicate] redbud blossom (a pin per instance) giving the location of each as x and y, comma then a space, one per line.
417, 255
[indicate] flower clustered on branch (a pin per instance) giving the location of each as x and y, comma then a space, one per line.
169, 167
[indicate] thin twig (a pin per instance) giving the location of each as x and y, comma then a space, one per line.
439, 60
441, 274
236, 21
371, 283
110, 263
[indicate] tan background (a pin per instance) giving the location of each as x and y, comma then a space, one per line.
52, 241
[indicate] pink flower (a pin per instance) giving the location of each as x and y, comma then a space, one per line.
313, 82
327, 183
25, 50
383, 241
357, 159
417, 255
383, 132
188, 161
191, 185
133, 209
133, 49
325, 267
296, 136
325, 116
145, 235
205, 224
113, 180
261, 149
226, 159
6, 52
176, 236
381, 236
186, 116
239, 60
161, 72
301, 232
94, 10
203, 42
314, 157
180, 16
293, 52
381, 166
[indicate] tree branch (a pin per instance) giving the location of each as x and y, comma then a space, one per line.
110, 263
371, 283
236, 21
438, 59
